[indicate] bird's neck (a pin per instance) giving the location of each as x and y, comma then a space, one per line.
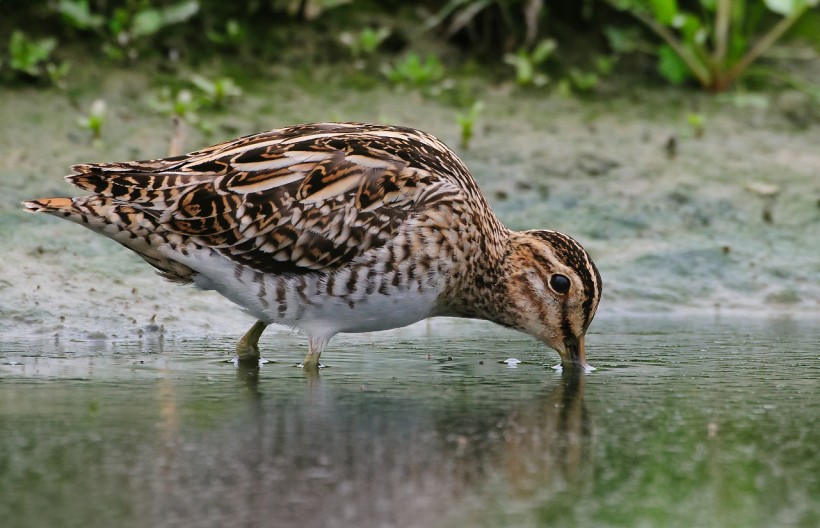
480, 291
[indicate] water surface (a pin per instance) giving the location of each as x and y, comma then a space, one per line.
686, 422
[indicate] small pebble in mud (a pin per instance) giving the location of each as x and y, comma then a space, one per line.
766, 190
523, 185
726, 249
153, 328
449, 358
481, 362
769, 193
594, 164
671, 147
502, 194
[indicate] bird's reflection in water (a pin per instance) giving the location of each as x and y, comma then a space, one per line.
312, 452
525, 448
248, 378
548, 443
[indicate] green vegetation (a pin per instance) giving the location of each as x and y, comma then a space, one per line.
216, 93
571, 48
30, 57
179, 104
124, 31
697, 123
718, 40
365, 42
526, 63
466, 122
414, 71
93, 122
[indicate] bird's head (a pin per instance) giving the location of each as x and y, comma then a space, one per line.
553, 291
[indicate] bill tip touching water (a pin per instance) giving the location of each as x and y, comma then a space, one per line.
339, 227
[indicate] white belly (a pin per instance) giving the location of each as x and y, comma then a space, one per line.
305, 302
373, 312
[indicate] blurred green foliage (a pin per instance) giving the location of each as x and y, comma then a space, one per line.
713, 41
93, 122
364, 42
124, 29
29, 56
216, 92
467, 121
418, 44
415, 71
526, 63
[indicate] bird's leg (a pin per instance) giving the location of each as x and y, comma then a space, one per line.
315, 347
247, 350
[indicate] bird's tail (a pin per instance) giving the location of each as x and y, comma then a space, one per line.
134, 228
55, 206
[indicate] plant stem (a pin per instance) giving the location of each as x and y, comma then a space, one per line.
722, 25
758, 49
698, 69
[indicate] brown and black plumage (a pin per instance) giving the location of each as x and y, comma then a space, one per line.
339, 227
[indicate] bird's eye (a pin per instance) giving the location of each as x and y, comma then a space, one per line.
559, 283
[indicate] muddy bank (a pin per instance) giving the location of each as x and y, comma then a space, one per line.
678, 218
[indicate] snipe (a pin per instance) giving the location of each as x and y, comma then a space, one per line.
339, 227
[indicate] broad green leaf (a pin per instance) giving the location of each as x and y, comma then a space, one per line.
671, 66
80, 15
203, 84
542, 51
118, 22
665, 10
27, 55
180, 12
150, 20
147, 22
524, 72
689, 26
604, 64
583, 81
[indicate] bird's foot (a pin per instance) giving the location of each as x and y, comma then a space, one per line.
311, 366
249, 361
247, 350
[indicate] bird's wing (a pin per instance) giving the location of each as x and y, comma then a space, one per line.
298, 199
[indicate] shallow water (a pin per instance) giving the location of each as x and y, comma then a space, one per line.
687, 422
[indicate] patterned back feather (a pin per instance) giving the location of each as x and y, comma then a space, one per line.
294, 200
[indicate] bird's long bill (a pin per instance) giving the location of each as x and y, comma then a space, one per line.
575, 353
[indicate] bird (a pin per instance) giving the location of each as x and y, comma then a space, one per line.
334, 228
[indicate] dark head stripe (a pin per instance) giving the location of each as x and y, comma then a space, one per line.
575, 256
